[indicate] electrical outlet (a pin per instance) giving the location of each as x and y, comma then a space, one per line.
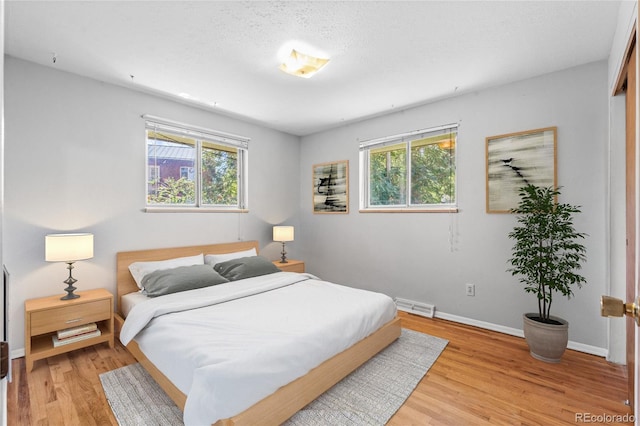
471, 289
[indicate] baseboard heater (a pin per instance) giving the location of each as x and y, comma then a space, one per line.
418, 308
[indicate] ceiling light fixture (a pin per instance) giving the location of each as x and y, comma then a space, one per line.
302, 65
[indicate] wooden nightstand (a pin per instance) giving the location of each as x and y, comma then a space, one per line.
45, 316
290, 266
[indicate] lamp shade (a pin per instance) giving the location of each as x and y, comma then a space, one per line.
283, 233
68, 247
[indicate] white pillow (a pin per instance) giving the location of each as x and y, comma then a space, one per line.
212, 259
140, 269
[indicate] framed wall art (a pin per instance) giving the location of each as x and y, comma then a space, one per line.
515, 160
331, 187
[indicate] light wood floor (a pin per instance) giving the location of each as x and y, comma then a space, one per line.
481, 378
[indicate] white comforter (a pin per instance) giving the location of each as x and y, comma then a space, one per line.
229, 346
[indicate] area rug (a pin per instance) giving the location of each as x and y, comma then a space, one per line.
369, 396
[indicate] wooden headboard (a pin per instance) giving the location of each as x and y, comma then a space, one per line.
124, 280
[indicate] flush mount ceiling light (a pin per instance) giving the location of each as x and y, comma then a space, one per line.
302, 65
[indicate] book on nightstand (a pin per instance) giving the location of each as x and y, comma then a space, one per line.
74, 338
76, 331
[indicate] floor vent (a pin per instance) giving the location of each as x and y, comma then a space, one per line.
418, 308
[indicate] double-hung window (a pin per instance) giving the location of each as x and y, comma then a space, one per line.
413, 171
192, 167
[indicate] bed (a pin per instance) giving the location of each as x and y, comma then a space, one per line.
287, 397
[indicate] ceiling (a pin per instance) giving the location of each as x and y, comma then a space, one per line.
385, 56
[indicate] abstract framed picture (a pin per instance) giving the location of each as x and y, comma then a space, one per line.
331, 187
515, 160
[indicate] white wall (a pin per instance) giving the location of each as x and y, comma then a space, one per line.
430, 256
75, 160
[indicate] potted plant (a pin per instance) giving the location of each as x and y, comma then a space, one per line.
546, 255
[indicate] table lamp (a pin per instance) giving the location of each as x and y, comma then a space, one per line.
68, 248
282, 234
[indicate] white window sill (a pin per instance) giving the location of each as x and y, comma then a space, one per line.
193, 210
411, 210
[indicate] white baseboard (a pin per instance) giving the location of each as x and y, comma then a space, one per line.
581, 347
17, 353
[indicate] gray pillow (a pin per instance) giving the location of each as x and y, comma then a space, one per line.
182, 278
245, 267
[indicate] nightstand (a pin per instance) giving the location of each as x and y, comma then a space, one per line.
290, 266
47, 315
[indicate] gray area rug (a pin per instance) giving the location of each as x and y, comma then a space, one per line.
369, 396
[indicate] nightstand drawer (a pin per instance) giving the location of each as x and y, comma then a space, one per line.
298, 267
69, 316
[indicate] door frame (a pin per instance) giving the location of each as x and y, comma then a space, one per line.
626, 82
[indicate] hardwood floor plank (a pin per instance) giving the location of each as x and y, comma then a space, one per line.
54, 414
481, 378
18, 400
41, 389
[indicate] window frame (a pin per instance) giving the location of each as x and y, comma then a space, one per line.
406, 139
201, 136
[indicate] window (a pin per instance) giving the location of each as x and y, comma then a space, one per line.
154, 173
413, 171
192, 167
187, 173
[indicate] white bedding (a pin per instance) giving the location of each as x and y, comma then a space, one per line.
229, 346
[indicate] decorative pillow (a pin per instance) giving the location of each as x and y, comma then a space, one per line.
245, 267
182, 278
212, 259
140, 269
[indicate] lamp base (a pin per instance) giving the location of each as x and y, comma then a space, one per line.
284, 255
69, 282
70, 295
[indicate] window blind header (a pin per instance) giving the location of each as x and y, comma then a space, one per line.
409, 136
201, 133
